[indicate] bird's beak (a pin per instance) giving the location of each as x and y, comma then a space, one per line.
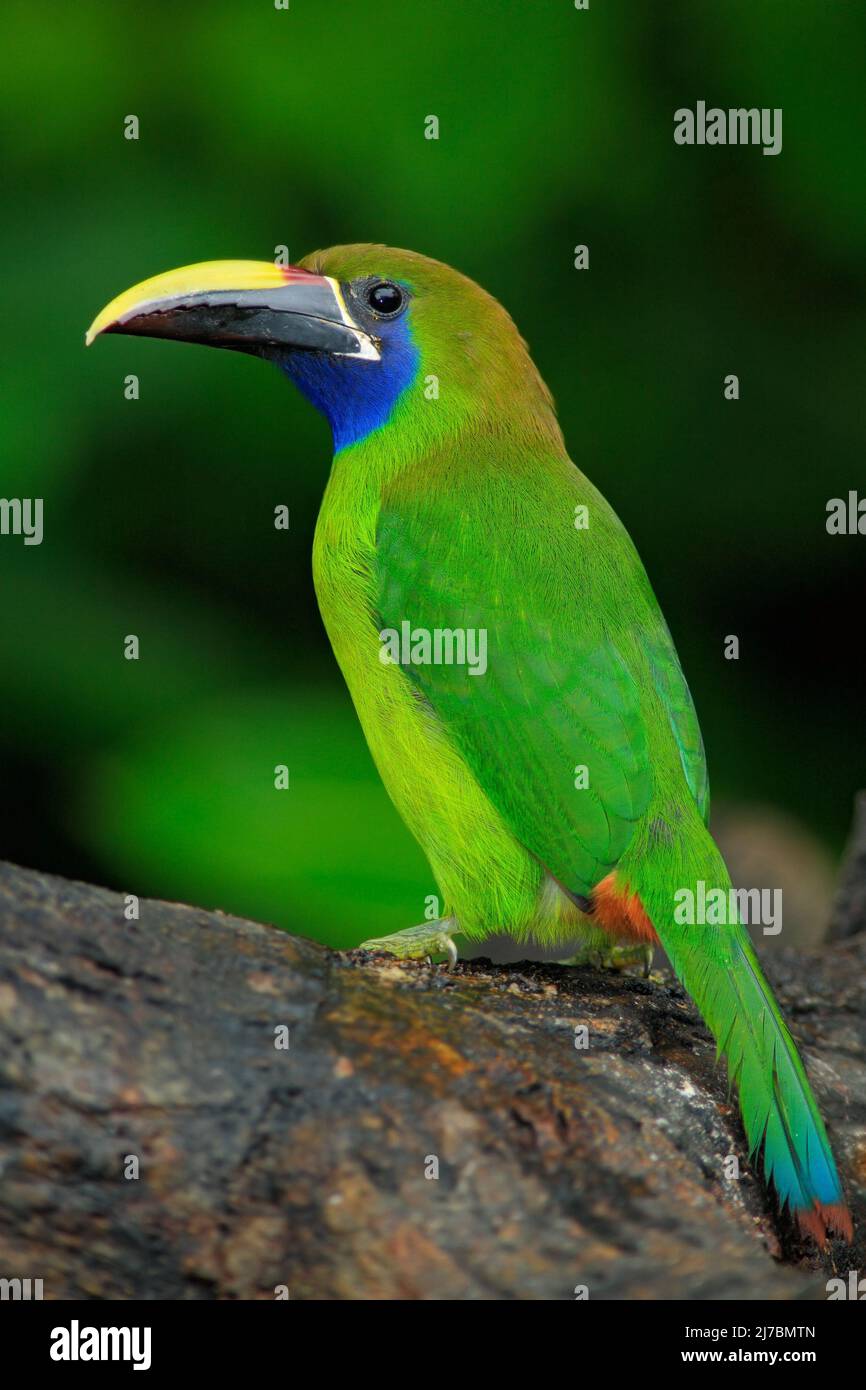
252, 306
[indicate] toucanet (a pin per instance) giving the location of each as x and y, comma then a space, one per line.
512, 671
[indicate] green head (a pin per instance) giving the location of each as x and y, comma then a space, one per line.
377, 338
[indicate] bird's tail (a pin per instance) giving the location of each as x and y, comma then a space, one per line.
717, 965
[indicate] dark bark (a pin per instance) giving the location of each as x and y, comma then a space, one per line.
305, 1167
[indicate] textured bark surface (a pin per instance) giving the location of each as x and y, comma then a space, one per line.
305, 1167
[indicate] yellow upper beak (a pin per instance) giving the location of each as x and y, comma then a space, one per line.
187, 281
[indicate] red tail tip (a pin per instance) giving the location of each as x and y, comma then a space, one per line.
818, 1221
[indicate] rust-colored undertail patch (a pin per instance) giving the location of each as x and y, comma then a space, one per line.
620, 912
819, 1220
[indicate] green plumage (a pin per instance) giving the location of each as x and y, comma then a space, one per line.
460, 514
559, 787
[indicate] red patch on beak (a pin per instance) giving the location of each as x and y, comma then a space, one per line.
296, 272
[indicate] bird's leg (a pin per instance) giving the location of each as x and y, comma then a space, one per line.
611, 956
417, 943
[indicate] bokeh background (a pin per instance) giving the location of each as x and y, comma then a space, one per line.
305, 127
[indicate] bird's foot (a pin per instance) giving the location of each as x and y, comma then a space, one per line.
419, 943
614, 957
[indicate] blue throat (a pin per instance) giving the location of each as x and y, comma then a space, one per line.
355, 396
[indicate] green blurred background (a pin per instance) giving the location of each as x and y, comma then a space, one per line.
305, 127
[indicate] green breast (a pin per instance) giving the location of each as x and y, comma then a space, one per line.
485, 876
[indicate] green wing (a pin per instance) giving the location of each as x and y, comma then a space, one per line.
578, 658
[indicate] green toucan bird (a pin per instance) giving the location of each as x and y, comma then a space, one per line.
513, 674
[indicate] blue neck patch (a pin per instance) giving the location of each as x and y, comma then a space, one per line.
357, 397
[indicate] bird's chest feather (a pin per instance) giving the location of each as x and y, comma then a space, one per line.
423, 772
397, 728
344, 574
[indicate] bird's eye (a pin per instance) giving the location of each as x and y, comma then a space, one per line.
385, 298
